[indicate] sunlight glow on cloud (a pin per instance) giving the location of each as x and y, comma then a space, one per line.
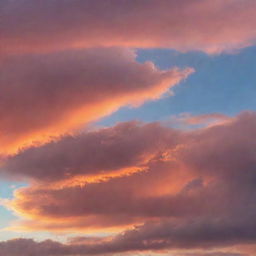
181, 187
45, 96
170, 198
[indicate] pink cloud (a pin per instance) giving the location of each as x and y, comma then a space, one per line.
208, 25
187, 170
51, 94
126, 146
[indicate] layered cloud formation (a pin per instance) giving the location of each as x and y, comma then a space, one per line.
189, 189
208, 25
64, 65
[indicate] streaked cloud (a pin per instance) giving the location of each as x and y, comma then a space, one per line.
49, 95
198, 191
184, 187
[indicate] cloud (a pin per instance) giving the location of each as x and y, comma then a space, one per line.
49, 95
65, 64
121, 243
205, 118
195, 233
187, 121
208, 25
28, 247
211, 254
198, 189
126, 147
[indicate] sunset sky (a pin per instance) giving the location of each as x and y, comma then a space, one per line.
127, 127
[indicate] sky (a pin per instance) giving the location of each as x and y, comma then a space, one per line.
127, 128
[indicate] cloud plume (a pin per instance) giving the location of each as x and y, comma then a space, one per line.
51, 94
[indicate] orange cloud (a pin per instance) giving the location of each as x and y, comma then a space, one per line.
49, 95
187, 170
188, 121
208, 25
123, 149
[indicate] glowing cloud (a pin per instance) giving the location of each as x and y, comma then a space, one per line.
188, 170
52, 94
